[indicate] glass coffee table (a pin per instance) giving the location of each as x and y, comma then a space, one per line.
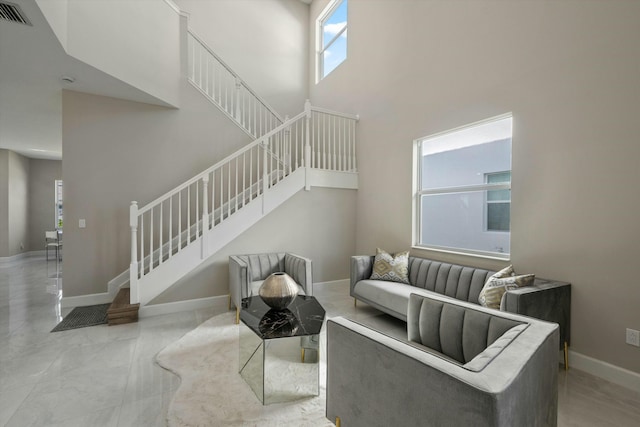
279, 350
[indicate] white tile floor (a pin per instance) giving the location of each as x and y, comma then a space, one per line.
106, 376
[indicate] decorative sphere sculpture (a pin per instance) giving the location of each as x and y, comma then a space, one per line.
278, 291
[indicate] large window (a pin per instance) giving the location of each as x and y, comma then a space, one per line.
332, 37
463, 189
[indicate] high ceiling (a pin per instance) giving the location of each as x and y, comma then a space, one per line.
32, 64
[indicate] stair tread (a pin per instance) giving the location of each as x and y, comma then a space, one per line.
121, 303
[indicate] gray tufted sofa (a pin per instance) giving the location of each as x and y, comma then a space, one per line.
462, 365
247, 272
546, 300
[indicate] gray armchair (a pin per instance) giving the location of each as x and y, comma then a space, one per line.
247, 272
461, 365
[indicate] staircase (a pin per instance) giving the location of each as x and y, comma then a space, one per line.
177, 232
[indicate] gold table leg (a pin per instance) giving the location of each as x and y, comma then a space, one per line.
337, 421
566, 356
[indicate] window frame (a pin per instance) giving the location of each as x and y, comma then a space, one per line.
418, 193
326, 14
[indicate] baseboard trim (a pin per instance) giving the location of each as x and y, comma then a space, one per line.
341, 282
30, 254
604, 370
220, 302
82, 300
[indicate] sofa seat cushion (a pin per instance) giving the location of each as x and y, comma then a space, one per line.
394, 296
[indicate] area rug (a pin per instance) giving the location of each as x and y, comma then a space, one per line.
81, 317
212, 392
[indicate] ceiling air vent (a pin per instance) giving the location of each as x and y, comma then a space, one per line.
12, 12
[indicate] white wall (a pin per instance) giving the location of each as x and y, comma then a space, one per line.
262, 40
137, 42
568, 72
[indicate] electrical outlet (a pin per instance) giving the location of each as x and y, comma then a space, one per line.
633, 337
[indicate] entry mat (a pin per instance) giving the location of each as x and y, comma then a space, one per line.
81, 317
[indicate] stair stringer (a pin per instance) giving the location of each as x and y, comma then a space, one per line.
211, 241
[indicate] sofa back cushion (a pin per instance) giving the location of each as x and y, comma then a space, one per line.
456, 331
456, 281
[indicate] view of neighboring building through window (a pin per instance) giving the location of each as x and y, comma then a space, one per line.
463, 197
332, 49
498, 203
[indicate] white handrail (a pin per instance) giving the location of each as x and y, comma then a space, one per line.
222, 86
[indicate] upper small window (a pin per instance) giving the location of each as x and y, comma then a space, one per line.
332, 37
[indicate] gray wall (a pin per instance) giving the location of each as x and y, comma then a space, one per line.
14, 184
42, 176
568, 72
26, 201
117, 151
4, 203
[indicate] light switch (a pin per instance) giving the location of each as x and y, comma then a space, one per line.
82, 223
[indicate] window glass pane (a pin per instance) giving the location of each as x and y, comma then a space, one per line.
493, 178
458, 209
335, 55
334, 23
456, 221
498, 195
498, 216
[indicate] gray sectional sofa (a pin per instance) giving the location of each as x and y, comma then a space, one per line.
547, 299
462, 365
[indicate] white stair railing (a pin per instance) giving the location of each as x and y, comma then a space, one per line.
208, 73
315, 139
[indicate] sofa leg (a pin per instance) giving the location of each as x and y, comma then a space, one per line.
566, 356
337, 421
355, 302
302, 354
237, 315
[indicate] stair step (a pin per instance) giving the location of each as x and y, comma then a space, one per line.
121, 310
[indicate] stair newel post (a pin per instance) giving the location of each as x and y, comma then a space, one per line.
205, 216
307, 145
238, 96
133, 268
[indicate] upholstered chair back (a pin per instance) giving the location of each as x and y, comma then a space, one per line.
458, 332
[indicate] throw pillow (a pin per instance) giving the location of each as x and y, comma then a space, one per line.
498, 284
394, 268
